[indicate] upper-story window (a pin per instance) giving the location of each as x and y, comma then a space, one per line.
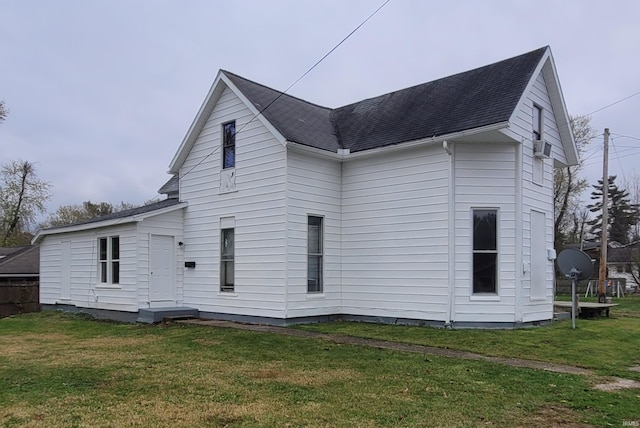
537, 122
229, 145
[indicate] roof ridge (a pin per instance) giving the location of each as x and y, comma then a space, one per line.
440, 79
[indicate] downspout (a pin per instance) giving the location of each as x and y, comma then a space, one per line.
519, 274
286, 233
449, 148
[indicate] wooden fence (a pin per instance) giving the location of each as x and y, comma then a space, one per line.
19, 297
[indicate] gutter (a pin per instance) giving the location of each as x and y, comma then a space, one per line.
345, 154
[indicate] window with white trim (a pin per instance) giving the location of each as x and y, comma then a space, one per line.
314, 254
537, 122
485, 250
109, 260
229, 145
227, 260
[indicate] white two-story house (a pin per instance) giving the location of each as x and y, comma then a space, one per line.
429, 205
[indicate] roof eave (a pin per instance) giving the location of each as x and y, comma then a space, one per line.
106, 223
344, 156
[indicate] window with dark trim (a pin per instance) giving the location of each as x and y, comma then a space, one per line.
229, 145
537, 122
485, 251
109, 260
314, 254
227, 260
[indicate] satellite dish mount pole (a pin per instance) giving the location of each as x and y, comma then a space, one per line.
574, 275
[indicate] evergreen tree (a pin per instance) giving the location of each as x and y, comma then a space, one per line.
622, 215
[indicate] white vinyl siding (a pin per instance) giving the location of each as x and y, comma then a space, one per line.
485, 177
313, 189
258, 205
167, 224
85, 288
395, 236
82, 266
537, 195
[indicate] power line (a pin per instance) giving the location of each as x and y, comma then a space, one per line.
626, 136
612, 104
295, 82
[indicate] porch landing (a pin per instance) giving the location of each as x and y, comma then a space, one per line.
156, 315
587, 309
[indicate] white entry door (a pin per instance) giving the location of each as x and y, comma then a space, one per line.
162, 289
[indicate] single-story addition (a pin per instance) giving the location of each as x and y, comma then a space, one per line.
429, 205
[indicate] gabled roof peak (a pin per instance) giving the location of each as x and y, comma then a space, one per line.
472, 99
483, 97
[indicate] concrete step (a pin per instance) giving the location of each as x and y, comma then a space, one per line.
156, 315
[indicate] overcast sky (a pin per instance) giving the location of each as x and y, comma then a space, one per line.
102, 92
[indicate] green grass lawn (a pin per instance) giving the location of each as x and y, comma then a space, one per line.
609, 346
64, 370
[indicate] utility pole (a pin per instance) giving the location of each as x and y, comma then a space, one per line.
602, 273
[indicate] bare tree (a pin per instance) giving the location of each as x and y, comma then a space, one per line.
70, 214
632, 184
22, 197
568, 185
3, 111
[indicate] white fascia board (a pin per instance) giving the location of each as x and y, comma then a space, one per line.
106, 223
560, 111
198, 123
255, 112
547, 67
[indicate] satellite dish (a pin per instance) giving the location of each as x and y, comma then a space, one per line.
575, 262
576, 265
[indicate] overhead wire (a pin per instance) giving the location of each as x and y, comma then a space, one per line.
614, 103
281, 93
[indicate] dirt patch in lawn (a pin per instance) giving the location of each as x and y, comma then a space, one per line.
617, 384
554, 416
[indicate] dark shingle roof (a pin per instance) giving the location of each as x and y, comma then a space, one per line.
484, 96
297, 120
624, 254
170, 187
24, 261
126, 213
476, 98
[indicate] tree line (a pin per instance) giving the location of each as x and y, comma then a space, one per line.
577, 222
